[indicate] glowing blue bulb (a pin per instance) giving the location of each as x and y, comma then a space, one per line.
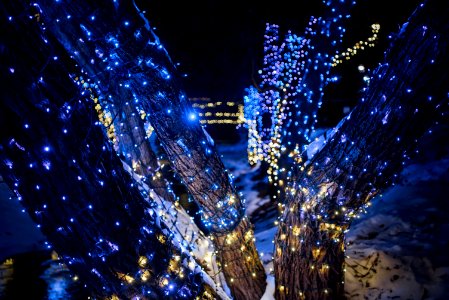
192, 116
46, 149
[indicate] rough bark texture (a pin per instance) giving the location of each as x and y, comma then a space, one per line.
114, 38
65, 172
405, 98
136, 149
236, 254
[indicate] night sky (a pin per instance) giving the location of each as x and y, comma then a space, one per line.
219, 44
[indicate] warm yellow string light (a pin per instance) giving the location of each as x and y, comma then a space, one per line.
359, 46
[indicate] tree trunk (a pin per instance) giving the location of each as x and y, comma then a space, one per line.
65, 172
115, 39
364, 156
134, 145
236, 253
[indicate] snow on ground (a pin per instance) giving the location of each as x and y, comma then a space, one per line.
398, 250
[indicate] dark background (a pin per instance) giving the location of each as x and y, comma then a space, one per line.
219, 44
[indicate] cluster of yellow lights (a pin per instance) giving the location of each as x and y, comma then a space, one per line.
255, 151
274, 147
359, 46
219, 114
220, 117
125, 277
143, 261
8, 262
174, 267
206, 296
104, 117
213, 104
222, 121
249, 236
162, 238
330, 227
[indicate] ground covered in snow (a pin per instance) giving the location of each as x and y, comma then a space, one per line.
398, 250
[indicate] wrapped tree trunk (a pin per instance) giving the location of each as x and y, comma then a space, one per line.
115, 39
62, 168
368, 149
134, 144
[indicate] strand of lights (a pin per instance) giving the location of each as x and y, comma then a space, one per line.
220, 114
252, 102
104, 115
213, 104
359, 46
222, 121
295, 71
210, 116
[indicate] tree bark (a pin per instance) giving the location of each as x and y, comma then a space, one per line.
115, 40
134, 145
236, 254
62, 168
363, 157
